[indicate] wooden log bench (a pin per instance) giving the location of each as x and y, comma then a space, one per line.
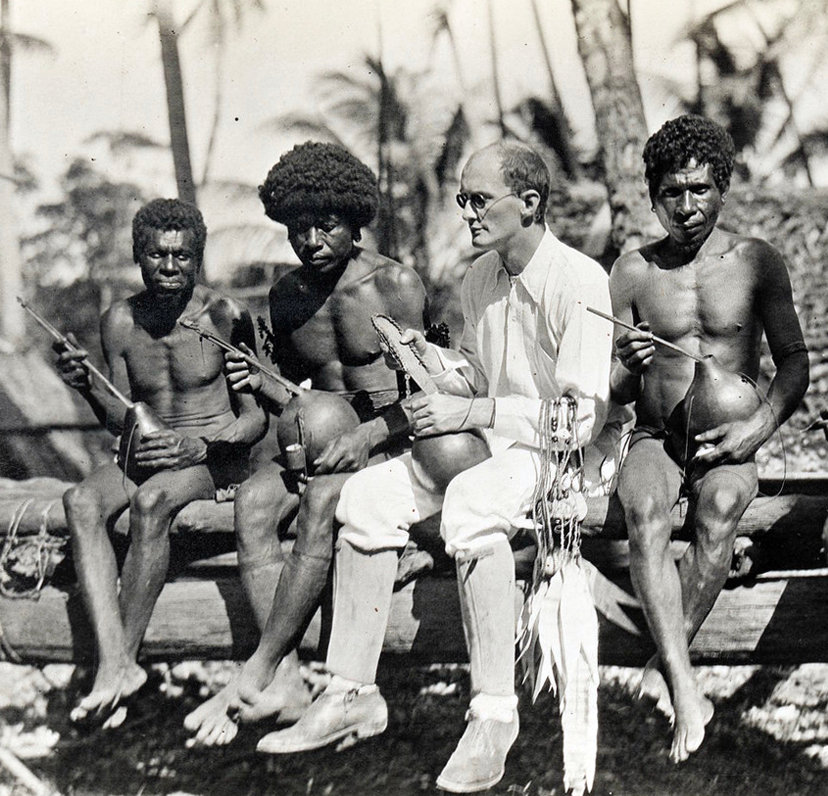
772, 611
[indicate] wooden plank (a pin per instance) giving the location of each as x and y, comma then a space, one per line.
775, 620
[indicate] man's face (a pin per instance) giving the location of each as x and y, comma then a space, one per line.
688, 204
169, 266
492, 210
323, 245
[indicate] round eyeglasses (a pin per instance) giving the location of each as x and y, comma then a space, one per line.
480, 203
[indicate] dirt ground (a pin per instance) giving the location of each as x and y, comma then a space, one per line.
769, 736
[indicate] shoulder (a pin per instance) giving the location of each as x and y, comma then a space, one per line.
221, 307
285, 284
119, 317
389, 273
117, 322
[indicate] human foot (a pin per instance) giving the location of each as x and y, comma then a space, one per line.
262, 694
210, 722
693, 713
104, 704
653, 687
254, 693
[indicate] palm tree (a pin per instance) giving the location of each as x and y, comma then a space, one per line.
606, 53
414, 144
739, 97
558, 131
174, 83
11, 318
221, 16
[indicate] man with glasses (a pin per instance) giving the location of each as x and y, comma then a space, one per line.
321, 331
527, 337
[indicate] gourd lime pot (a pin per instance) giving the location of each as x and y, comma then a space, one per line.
139, 420
322, 415
438, 459
715, 396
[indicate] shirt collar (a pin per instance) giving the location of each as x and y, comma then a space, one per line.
536, 273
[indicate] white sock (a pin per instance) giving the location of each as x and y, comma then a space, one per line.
339, 685
498, 708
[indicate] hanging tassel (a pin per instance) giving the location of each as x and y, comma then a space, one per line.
558, 627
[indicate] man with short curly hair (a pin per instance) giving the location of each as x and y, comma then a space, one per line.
205, 445
321, 332
709, 292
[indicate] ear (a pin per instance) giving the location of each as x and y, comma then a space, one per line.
531, 203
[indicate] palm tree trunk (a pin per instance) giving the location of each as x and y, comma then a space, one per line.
11, 281
604, 46
174, 83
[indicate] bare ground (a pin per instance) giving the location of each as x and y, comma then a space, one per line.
769, 736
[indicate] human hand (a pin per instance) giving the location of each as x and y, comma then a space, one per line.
735, 441
346, 453
169, 450
417, 341
70, 364
240, 373
439, 413
635, 349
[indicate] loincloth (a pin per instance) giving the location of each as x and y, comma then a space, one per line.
692, 474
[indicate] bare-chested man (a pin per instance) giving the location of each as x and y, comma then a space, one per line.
206, 446
321, 322
710, 292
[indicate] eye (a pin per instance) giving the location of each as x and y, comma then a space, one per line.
329, 225
478, 201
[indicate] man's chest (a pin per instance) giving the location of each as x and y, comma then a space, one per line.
338, 328
177, 361
712, 300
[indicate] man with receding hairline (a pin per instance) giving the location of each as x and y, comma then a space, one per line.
526, 338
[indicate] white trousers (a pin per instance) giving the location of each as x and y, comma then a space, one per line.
380, 503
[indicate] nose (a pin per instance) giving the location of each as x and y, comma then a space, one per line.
687, 205
312, 238
169, 264
468, 213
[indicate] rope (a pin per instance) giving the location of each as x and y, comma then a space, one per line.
46, 550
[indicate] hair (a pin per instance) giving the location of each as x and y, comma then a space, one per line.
523, 169
167, 214
316, 178
686, 138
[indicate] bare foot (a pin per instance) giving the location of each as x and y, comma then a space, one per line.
103, 703
210, 722
654, 687
285, 694
215, 723
693, 713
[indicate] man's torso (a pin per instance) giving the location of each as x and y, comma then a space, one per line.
171, 369
707, 306
326, 335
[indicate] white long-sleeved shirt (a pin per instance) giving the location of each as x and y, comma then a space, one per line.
529, 337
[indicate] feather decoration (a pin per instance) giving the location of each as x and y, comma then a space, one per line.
558, 627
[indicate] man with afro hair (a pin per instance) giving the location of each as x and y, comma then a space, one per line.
321, 333
709, 292
204, 445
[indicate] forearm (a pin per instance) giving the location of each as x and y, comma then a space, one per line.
625, 386
786, 390
107, 409
394, 422
247, 429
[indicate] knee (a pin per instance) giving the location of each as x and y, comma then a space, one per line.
147, 507
353, 502
717, 516
648, 525
81, 504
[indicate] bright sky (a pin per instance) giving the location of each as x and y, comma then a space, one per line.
106, 71
105, 75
